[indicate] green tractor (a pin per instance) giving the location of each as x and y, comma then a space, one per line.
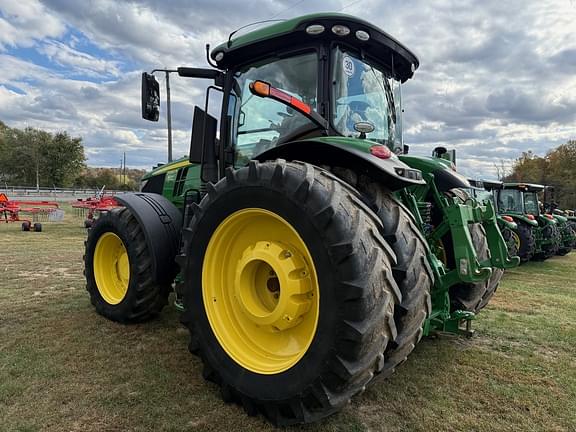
539, 236
565, 228
571, 217
487, 191
306, 255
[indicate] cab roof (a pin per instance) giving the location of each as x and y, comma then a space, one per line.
486, 184
292, 33
529, 187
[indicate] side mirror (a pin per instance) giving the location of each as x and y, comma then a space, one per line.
150, 97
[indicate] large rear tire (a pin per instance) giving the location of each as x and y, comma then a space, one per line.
549, 232
474, 297
412, 271
118, 270
320, 227
565, 245
527, 242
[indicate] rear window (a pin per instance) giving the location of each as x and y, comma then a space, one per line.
154, 184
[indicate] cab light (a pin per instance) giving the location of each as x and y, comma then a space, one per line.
381, 152
509, 218
264, 89
315, 29
340, 30
260, 88
362, 35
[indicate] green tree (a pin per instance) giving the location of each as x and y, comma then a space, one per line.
33, 157
557, 169
62, 158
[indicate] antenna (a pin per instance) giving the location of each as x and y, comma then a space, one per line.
248, 25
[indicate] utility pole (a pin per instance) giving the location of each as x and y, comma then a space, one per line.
124, 173
169, 116
168, 108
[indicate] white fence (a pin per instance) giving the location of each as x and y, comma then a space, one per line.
50, 194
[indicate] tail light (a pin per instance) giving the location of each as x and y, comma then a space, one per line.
531, 217
381, 151
509, 218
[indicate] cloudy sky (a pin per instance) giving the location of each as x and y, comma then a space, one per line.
496, 77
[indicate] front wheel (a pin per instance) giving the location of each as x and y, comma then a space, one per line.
289, 295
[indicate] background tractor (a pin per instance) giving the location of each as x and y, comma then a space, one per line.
306, 255
520, 201
565, 229
487, 191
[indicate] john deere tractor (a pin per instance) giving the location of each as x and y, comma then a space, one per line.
565, 228
539, 236
487, 191
307, 257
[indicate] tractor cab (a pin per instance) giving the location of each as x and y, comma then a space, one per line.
520, 199
323, 88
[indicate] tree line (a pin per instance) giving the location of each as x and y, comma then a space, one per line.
557, 168
33, 157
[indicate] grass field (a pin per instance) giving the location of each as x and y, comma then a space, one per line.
64, 368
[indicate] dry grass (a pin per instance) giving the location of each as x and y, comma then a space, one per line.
64, 368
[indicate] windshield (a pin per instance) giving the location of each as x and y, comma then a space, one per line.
510, 200
531, 203
362, 92
262, 123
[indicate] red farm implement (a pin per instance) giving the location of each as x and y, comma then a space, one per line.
30, 213
90, 208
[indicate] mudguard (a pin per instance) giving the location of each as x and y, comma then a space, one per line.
348, 153
445, 178
161, 223
506, 224
523, 218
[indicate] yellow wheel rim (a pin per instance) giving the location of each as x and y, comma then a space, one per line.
516, 239
111, 268
260, 291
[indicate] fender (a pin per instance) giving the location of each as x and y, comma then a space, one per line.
510, 225
445, 177
543, 220
560, 219
523, 218
161, 223
348, 153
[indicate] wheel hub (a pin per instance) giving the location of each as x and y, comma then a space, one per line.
260, 290
273, 285
111, 268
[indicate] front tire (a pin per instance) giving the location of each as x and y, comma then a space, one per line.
320, 234
118, 270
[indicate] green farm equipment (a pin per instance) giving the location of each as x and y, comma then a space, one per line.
565, 229
538, 232
487, 191
570, 215
306, 255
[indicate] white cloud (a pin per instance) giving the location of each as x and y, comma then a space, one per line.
489, 85
82, 62
27, 21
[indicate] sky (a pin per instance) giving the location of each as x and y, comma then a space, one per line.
496, 78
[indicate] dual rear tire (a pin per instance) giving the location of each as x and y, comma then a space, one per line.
298, 288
